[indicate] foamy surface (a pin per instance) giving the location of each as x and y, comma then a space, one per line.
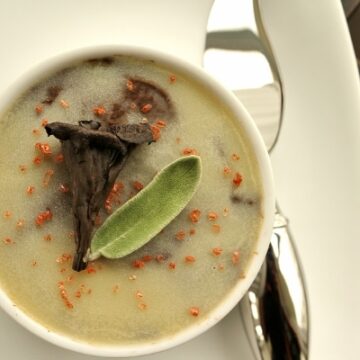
117, 303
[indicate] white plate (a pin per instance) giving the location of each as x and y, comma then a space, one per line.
316, 161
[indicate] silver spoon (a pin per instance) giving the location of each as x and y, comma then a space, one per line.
275, 309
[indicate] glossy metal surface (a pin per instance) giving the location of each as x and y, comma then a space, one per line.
277, 302
275, 309
238, 54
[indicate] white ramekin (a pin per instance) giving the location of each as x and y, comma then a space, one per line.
42, 70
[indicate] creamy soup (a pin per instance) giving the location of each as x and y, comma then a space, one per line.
181, 275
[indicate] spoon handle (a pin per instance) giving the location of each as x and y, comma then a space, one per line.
275, 309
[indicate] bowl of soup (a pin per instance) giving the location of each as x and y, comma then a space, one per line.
190, 275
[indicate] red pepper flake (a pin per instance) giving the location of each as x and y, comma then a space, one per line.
156, 133
217, 251
117, 187
44, 122
91, 269
20, 223
160, 123
39, 109
146, 258
64, 104
37, 160
22, 168
78, 294
172, 265
99, 111
237, 180
30, 190
62, 270
8, 241
139, 264
194, 216
212, 216
215, 228
225, 212
7, 214
192, 231
115, 289
180, 235
160, 258
139, 295
194, 311
137, 185
47, 177
64, 295
227, 170
34, 263
142, 306
48, 237
44, 148
43, 216
146, 108
235, 157
113, 197
64, 258
63, 188
189, 151
235, 257
172, 78
221, 267
107, 205
36, 132
190, 259
130, 85
59, 158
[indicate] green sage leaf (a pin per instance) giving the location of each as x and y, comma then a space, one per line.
147, 213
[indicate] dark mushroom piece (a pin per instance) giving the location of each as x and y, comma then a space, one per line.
52, 93
144, 99
94, 156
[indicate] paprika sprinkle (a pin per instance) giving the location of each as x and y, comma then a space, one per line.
30, 190
217, 251
237, 180
194, 311
180, 235
212, 216
99, 111
194, 216
189, 151
43, 216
